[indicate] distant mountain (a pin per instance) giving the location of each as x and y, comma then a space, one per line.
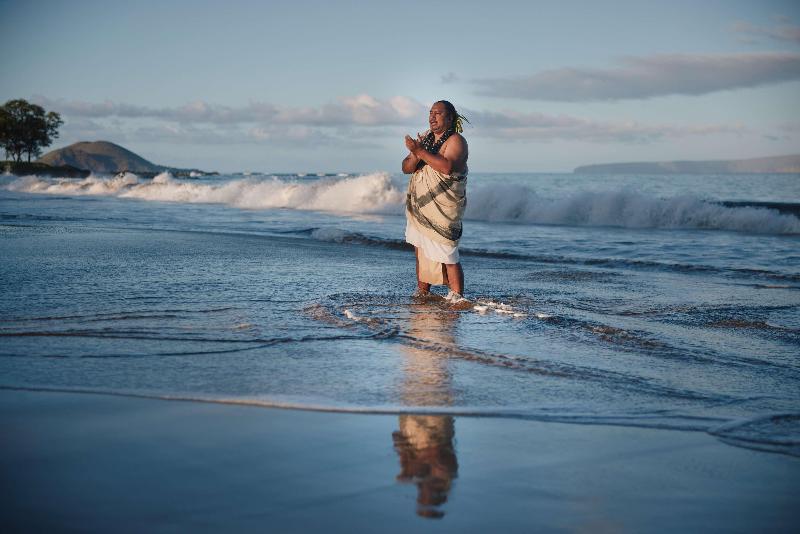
777, 164
106, 157
99, 156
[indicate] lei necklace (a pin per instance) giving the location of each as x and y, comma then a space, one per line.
432, 147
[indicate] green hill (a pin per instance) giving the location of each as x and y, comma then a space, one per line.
99, 156
107, 157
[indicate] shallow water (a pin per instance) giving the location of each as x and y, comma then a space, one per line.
596, 303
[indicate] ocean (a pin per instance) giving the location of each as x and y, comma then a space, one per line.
657, 301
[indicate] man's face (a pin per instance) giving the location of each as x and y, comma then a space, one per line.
438, 118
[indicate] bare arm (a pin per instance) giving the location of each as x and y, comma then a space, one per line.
412, 160
453, 157
456, 151
410, 164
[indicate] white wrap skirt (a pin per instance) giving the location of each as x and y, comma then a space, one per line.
438, 252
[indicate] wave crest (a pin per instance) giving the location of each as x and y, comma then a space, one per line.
379, 193
370, 193
515, 203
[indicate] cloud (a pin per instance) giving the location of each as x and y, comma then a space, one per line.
362, 110
514, 126
359, 122
783, 32
650, 76
292, 137
340, 123
82, 129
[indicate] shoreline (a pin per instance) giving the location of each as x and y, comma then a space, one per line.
101, 462
716, 431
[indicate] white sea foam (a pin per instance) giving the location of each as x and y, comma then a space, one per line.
352, 316
514, 203
379, 193
483, 306
371, 193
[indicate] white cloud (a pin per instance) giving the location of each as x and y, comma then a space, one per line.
650, 76
361, 122
358, 110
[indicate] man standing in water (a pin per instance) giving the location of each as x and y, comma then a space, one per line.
436, 200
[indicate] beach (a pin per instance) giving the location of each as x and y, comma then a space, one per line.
214, 314
93, 463
244, 353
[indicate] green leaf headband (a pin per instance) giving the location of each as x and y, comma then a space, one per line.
459, 125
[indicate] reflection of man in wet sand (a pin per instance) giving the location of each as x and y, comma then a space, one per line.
427, 458
436, 200
424, 443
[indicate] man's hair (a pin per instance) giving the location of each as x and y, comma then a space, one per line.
454, 115
451, 109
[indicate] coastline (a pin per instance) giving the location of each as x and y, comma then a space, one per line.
95, 462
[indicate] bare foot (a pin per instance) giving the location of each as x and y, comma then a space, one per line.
457, 302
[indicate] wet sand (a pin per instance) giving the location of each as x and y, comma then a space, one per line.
88, 462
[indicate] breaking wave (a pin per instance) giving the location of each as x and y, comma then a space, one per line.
371, 193
514, 203
380, 193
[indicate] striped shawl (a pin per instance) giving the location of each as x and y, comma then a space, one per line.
435, 204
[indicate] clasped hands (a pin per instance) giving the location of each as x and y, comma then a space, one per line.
414, 145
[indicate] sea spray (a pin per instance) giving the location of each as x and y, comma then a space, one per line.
380, 193
370, 193
519, 204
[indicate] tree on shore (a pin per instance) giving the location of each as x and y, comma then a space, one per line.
26, 128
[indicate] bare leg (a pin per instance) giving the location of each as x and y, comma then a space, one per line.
455, 277
423, 286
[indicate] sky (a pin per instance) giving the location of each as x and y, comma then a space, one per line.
330, 86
